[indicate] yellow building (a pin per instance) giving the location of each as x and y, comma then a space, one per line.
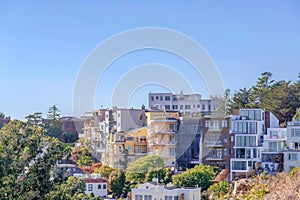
126, 147
162, 129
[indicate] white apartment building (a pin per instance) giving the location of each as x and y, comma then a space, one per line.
273, 147
187, 104
292, 156
153, 190
94, 184
248, 130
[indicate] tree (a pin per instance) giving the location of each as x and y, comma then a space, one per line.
2, 115
53, 124
73, 188
70, 137
104, 170
199, 176
220, 189
136, 170
240, 99
225, 102
35, 119
117, 182
163, 175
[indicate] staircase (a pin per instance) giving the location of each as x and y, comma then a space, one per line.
222, 175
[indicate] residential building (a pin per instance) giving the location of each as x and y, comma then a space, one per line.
126, 147
188, 143
292, 156
187, 104
94, 184
154, 190
248, 130
162, 128
273, 147
216, 141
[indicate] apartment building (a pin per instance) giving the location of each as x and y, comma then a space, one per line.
187, 104
292, 156
216, 142
249, 129
273, 147
126, 147
162, 129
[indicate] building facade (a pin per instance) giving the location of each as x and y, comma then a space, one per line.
188, 105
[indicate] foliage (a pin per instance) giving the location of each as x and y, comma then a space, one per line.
117, 182
53, 124
199, 176
82, 156
2, 115
104, 170
164, 175
282, 98
136, 170
72, 189
70, 137
219, 190
35, 119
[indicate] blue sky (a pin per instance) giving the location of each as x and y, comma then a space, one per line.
43, 44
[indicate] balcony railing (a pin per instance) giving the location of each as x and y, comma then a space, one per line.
214, 143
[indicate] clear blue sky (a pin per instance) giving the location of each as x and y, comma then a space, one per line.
43, 44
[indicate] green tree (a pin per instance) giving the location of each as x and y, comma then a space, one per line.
2, 115
85, 161
136, 170
117, 182
104, 170
164, 175
225, 102
70, 137
240, 99
54, 124
199, 176
35, 119
220, 189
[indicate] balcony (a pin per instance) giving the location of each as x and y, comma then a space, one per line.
142, 143
214, 158
168, 131
164, 119
214, 143
241, 165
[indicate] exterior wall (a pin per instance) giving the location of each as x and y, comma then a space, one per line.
293, 134
162, 129
159, 192
129, 119
189, 105
291, 159
92, 188
216, 141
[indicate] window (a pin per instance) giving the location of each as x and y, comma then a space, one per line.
215, 125
172, 139
187, 107
245, 141
129, 148
176, 197
209, 107
104, 186
172, 127
232, 138
171, 151
273, 146
203, 107
152, 98
181, 107
130, 159
168, 197
130, 139
147, 197
175, 107
120, 158
167, 98
90, 187
161, 98
167, 107
139, 149
295, 132
225, 138
293, 156
224, 124
274, 134
225, 152
207, 123
156, 97
99, 186
198, 106
138, 197
231, 151
120, 149
155, 128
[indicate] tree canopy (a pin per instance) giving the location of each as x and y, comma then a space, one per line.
199, 176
